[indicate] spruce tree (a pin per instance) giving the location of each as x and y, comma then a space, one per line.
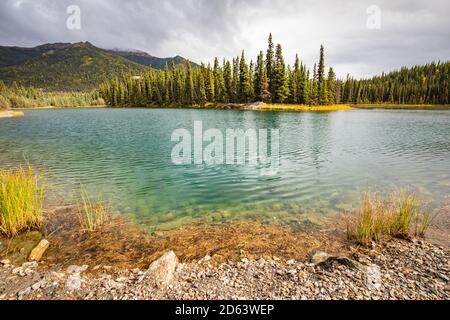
251, 70
219, 82
228, 80
189, 85
298, 80
331, 86
321, 81
244, 88
280, 83
306, 93
235, 82
209, 82
266, 96
270, 65
259, 75
177, 85
202, 98
314, 93
292, 83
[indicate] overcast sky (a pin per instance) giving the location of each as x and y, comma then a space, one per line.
411, 31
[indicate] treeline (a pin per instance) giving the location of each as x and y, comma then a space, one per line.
18, 96
267, 79
427, 84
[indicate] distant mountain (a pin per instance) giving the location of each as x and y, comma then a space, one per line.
63, 66
10, 56
148, 60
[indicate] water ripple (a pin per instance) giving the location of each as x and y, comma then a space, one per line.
327, 159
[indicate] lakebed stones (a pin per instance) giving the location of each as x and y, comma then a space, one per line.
37, 253
392, 274
161, 272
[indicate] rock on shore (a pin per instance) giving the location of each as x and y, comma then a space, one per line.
399, 270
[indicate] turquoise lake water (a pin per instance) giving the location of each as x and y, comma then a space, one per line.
326, 160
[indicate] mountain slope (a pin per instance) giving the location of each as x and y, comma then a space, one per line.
64, 67
10, 56
151, 61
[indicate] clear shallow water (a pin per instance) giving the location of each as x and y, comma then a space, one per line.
327, 160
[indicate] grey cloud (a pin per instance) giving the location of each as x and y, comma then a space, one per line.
413, 32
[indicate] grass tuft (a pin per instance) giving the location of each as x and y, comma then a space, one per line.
405, 209
398, 217
21, 198
91, 215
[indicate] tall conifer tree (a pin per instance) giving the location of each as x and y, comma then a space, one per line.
245, 88
270, 64
280, 82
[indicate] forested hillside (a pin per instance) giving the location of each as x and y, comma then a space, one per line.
17, 96
429, 84
73, 67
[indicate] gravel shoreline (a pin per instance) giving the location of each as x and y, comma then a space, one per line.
407, 270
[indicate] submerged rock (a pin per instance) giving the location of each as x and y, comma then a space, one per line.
38, 251
161, 271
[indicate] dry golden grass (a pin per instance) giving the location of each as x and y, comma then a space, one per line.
299, 107
91, 215
21, 198
378, 219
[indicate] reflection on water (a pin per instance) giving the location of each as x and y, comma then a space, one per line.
327, 159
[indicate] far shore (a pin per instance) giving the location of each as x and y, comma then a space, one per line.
387, 106
260, 106
53, 107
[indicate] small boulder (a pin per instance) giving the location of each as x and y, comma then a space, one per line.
38, 251
326, 260
320, 257
161, 271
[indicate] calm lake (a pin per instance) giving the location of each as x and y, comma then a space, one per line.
326, 161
